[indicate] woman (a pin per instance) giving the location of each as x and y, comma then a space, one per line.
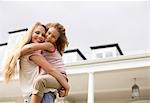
34, 34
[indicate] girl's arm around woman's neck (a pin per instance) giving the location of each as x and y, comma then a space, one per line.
29, 48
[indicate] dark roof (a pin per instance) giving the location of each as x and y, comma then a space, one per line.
11, 32
78, 51
107, 46
3, 44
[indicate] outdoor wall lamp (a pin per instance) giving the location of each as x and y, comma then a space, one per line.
135, 90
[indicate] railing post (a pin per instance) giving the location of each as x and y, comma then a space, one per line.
91, 88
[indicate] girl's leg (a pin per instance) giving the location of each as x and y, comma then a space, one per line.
40, 84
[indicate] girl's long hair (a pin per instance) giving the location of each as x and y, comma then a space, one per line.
62, 41
11, 60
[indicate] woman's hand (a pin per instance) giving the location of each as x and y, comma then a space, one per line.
63, 92
67, 90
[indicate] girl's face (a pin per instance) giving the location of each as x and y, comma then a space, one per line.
38, 35
52, 35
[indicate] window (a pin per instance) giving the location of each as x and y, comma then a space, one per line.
2, 54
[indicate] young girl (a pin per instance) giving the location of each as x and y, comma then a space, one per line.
56, 36
28, 68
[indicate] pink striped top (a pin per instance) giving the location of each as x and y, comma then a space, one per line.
55, 59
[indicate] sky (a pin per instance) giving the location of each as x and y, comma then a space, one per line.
88, 23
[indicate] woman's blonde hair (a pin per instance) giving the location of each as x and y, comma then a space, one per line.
11, 61
62, 41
